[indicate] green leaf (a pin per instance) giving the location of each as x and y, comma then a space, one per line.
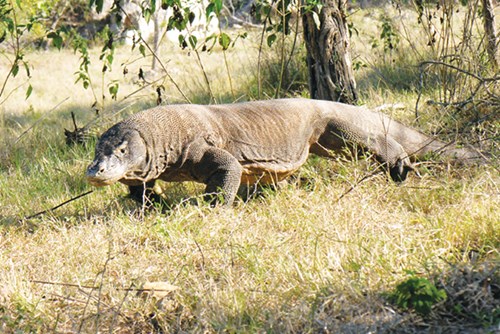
142, 50
147, 14
10, 24
99, 4
352, 29
15, 69
210, 9
271, 39
182, 42
113, 90
27, 69
191, 16
210, 42
57, 40
224, 41
193, 41
29, 91
218, 6
240, 35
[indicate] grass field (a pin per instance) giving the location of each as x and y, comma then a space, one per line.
324, 253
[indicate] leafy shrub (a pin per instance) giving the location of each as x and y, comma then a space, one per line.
417, 293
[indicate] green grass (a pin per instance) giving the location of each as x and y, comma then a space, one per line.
322, 253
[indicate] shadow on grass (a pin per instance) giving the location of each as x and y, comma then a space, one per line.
397, 72
9, 221
396, 77
471, 303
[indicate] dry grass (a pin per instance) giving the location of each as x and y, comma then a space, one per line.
295, 260
319, 255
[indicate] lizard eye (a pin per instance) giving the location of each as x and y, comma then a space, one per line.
122, 149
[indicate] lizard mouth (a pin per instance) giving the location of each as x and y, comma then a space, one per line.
100, 182
100, 174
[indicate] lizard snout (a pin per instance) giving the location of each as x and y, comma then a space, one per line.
100, 173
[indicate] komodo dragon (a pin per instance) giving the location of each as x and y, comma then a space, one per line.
223, 146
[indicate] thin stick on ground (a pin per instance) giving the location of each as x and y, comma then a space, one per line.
64, 284
58, 206
79, 286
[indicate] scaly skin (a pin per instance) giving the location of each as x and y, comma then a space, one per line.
224, 146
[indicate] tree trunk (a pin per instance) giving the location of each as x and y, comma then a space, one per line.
328, 58
489, 29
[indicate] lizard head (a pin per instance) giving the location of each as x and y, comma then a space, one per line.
118, 153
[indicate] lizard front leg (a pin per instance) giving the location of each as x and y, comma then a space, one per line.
144, 193
221, 172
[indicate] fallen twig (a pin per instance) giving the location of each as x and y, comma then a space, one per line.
58, 206
74, 285
64, 284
